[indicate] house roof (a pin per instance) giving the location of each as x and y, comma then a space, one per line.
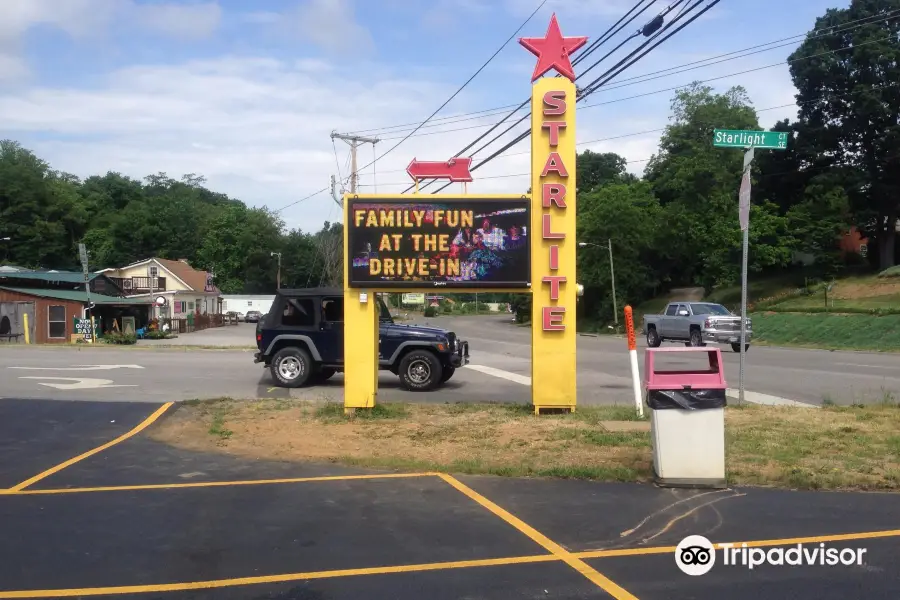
74, 296
48, 276
191, 277
185, 272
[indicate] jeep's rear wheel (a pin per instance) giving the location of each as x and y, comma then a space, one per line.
291, 367
449, 370
420, 371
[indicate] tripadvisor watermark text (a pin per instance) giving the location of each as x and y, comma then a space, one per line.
696, 555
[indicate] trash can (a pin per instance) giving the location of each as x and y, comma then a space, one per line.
687, 418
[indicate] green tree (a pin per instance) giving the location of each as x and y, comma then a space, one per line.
850, 109
595, 169
697, 185
629, 215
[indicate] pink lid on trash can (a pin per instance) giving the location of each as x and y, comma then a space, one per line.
712, 378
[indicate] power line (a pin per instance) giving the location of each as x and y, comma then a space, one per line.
463, 86
759, 48
621, 66
617, 100
527, 101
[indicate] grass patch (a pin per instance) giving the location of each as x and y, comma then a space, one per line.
829, 331
852, 447
217, 426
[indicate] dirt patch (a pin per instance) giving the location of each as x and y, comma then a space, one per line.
865, 288
855, 447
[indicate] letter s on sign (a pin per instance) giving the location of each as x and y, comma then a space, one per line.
556, 101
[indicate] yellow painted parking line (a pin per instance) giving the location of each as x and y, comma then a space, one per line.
271, 389
563, 556
220, 583
143, 425
603, 582
205, 484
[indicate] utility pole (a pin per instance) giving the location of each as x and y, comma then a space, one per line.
354, 141
278, 274
612, 276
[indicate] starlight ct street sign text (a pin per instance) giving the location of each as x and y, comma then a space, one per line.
727, 138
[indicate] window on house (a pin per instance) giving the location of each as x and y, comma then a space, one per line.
100, 285
299, 312
249, 302
154, 271
863, 250
57, 322
191, 305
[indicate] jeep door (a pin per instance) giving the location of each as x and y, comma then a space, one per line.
331, 330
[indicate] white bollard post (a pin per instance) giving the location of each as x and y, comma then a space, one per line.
632, 354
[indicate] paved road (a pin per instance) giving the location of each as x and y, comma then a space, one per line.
142, 520
500, 349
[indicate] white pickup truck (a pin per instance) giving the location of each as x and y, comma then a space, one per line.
695, 324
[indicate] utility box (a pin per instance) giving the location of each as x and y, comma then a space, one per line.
687, 416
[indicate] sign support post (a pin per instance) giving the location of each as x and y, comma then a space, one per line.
82, 251
361, 353
744, 218
749, 141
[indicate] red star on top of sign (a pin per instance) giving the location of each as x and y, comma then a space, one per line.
553, 51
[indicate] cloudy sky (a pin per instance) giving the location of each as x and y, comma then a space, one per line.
246, 92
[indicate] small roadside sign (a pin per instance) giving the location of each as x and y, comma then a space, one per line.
744, 201
731, 138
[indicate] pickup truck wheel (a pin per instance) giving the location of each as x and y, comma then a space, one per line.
653, 339
449, 370
420, 371
696, 338
291, 367
737, 347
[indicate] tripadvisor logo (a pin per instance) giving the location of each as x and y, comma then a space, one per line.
696, 555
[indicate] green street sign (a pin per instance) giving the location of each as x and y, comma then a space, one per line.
728, 138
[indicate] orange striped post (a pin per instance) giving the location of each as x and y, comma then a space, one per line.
632, 352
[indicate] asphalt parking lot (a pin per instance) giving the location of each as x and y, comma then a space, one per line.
94, 508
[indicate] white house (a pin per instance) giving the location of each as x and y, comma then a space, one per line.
242, 303
176, 288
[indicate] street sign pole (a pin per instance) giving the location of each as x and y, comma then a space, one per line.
744, 217
82, 252
748, 140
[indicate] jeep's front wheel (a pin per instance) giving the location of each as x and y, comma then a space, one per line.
420, 371
291, 367
449, 370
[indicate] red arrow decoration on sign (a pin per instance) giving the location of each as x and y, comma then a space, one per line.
455, 169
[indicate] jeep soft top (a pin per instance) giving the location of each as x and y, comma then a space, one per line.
301, 340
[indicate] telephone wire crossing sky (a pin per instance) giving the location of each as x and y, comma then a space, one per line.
553, 51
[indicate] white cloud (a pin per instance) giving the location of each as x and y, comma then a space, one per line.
330, 24
91, 19
190, 21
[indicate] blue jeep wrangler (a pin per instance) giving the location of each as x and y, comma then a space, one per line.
301, 340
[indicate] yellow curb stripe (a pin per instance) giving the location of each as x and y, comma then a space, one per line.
205, 484
555, 549
143, 425
219, 583
489, 562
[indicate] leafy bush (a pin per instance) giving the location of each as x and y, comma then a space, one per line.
117, 337
157, 335
430, 311
891, 272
